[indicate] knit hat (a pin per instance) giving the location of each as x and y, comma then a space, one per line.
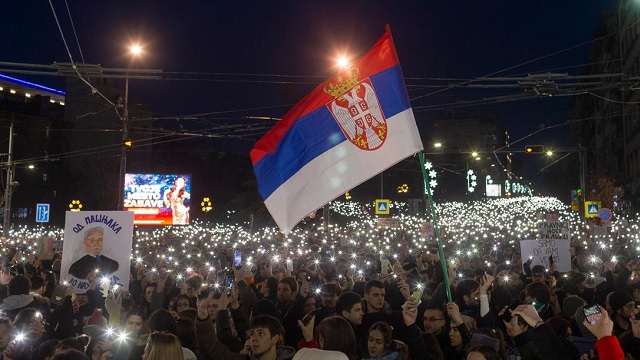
570, 304
619, 299
486, 340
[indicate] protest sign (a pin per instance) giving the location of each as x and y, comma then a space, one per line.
96, 249
553, 240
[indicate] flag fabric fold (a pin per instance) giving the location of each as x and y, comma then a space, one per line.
349, 129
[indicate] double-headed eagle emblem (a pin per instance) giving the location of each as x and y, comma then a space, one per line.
357, 111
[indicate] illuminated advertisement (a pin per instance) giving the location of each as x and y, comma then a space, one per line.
158, 199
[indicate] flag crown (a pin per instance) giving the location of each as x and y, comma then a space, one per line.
340, 85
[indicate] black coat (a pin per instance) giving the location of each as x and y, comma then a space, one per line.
87, 264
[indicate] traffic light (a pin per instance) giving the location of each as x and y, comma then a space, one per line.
579, 192
530, 149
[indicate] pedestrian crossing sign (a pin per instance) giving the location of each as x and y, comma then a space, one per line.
382, 207
591, 209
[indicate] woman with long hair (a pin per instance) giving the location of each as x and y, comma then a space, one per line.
161, 346
380, 344
335, 339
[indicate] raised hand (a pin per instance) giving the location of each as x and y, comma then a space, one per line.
454, 313
409, 313
604, 326
486, 282
203, 304
404, 289
307, 330
528, 313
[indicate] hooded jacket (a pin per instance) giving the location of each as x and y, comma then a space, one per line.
13, 304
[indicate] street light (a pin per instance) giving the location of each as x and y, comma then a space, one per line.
437, 145
135, 50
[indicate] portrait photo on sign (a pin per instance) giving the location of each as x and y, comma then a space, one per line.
97, 249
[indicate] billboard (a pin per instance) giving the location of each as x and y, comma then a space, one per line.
158, 199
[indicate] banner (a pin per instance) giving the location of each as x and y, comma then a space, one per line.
96, 249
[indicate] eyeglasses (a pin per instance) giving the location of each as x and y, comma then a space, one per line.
97, 240
432, 319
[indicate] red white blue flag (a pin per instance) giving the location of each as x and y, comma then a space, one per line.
349, 129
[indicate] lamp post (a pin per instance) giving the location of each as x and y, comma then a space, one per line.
135, 50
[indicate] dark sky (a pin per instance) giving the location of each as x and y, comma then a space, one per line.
258, 58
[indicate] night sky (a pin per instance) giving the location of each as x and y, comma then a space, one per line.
227, 60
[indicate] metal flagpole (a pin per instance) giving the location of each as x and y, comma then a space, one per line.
435, 226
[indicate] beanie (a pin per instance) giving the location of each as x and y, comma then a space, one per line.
486, 340
570, 304
618, 299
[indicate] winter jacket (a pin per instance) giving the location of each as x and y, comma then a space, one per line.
608, 348
13, 304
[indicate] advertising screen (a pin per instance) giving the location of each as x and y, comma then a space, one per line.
158, 199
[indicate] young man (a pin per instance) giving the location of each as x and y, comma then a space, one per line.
264, 335
376, 309
291, 302
349, 306
435, 322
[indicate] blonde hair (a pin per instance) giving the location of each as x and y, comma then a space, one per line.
162, 346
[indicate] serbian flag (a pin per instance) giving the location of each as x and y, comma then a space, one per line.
349, 129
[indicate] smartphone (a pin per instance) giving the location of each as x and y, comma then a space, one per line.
307, 318
507, 316
417, 295
592, 314
289, 265
229, 282
19, 346
237, 259
537, 305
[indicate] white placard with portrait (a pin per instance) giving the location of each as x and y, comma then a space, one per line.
97, 249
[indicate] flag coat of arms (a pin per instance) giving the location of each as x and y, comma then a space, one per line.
349, 129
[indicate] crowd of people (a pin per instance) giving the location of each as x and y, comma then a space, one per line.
333, 296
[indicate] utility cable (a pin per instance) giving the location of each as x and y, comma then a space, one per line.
74, 30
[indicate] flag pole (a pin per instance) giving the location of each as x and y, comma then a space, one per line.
443, 262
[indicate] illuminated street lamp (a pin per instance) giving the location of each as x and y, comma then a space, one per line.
75, 205
206, 205
135, 50
437, 145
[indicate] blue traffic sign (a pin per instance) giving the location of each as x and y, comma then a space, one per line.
605, 214
382, 207
42, 212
